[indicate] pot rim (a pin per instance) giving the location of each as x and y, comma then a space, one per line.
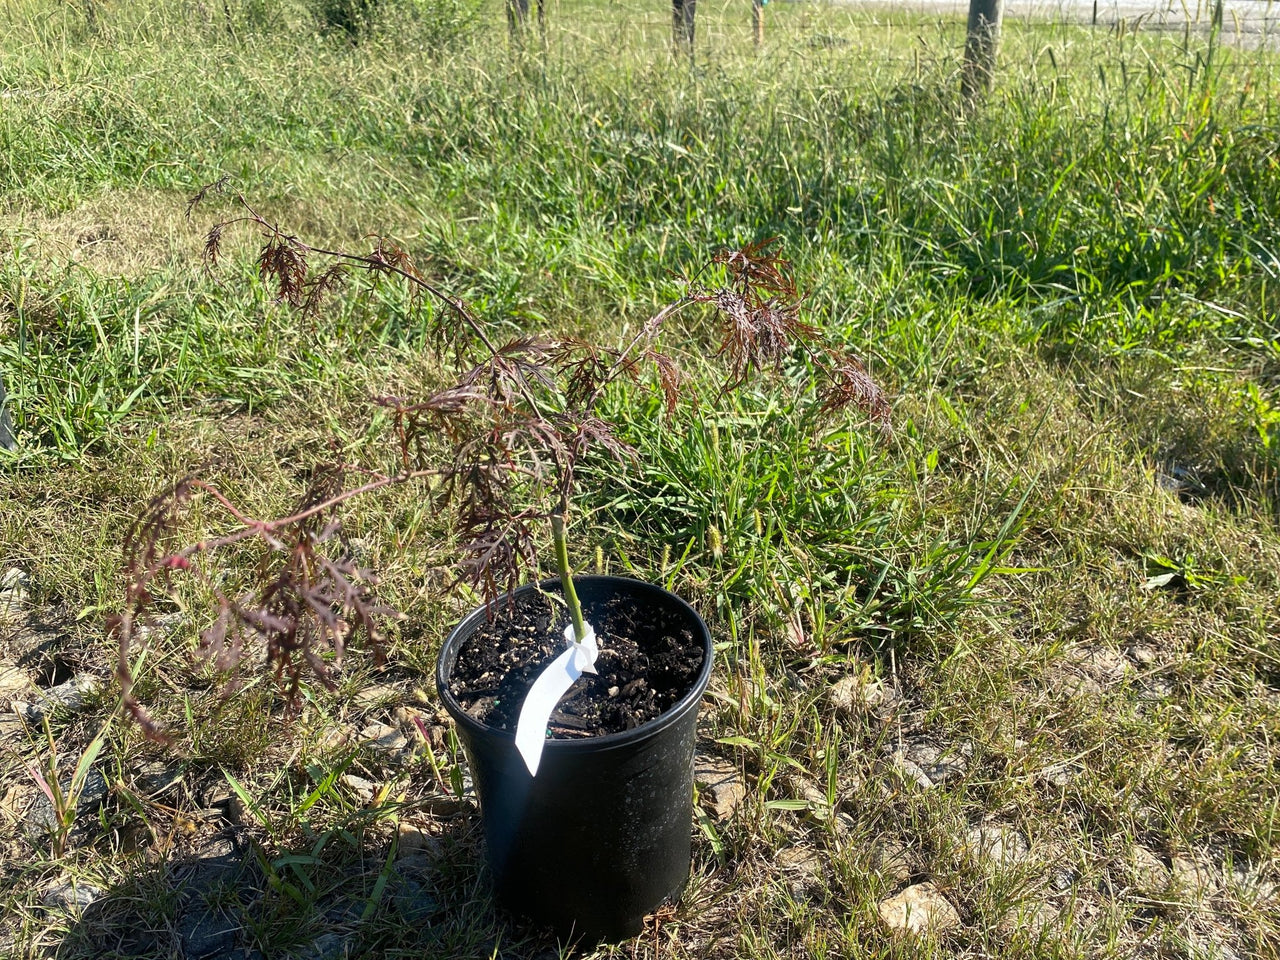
609, 741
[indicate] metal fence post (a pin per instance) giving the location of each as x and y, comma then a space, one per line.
682, 15
980, 46
6, 425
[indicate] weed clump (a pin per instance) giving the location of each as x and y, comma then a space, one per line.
440, 24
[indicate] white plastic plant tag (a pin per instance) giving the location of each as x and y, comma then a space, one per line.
552, 684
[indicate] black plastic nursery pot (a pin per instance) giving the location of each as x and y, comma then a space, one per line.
602, 835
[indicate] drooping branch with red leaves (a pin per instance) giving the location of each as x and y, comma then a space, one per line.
516, 424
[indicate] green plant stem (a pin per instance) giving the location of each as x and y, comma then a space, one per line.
566, 578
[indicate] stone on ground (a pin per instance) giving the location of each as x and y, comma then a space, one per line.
892, 860
384, 739
995, 844
156, 779
804, 870
42, 819
1032, 920
15, 684
937, 763
859, 694
380, 694
919, 909
719, 786
1150, 875
1193, 875
363, 789
415, 840
13, 593
71, 896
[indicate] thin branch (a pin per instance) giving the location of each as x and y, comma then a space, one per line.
517, 426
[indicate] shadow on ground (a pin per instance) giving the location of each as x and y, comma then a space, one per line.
346, 893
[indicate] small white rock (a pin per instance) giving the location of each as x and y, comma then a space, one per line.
719, 786
919, 909
858, 694
362, 788
333, 737
1143, 655
1080, 685
404, 718
940, 764
75, 693
377, 695
1031, 920
384, 738
1057, 775
1150, 875
843, 695
804, 789
892, 860
1153, 689
799, 859
14, 585
804, 870
1107, 665
70, 896
1192, 875
1063, 878
14, 684
926, 764
1253, 884
910, 772
415, 840
996, 844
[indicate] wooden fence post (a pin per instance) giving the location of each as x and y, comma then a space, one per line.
757, 20
980, 46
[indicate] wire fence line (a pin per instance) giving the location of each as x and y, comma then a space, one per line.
1103, 11
906, 35
1246, 23
919, 34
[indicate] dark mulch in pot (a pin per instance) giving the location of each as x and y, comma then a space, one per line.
648, 660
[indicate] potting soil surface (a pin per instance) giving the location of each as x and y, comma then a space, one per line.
648, 660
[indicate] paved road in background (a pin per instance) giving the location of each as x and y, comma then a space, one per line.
1246, 16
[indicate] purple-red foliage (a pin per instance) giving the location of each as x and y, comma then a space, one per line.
517, 423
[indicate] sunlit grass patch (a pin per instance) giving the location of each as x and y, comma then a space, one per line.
1043, 609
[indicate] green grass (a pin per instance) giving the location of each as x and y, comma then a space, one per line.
1063, 561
